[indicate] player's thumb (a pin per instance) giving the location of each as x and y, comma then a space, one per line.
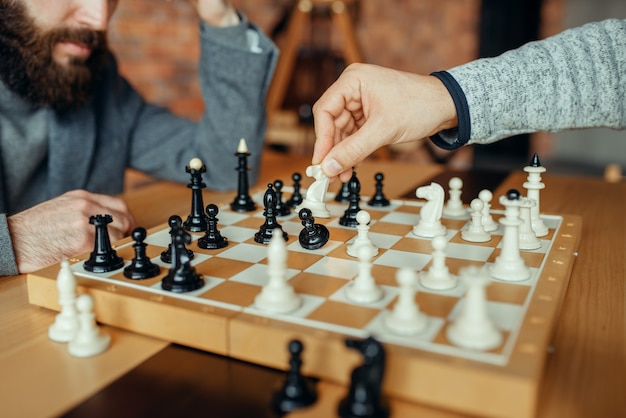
346, 154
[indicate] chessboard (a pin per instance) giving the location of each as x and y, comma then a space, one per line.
221, 317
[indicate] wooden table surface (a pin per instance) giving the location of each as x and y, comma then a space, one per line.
585, 374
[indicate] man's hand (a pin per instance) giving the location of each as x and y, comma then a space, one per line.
59, 228
369, 107
216, 12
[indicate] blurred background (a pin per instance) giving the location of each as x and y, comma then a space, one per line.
156, 43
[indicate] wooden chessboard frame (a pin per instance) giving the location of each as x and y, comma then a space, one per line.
430, 378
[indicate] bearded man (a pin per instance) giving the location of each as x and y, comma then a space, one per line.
70, 124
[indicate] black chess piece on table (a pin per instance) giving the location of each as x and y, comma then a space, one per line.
349, 216
174, 222
103, 258
297, 392
343, 195
182, 276
264, 235
196, 221
364, 399
282, 209
379, 199
141, 267
313, 236
296, 198
243, 202
212, 238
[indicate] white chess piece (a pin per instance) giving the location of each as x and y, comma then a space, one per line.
406, 318
315, 197
363, 289
438, 276
277, 295
475, 231
527, 238
362, 238
473, 328
429, 224
488, 223
533, 185
454, 206
66, 322
88, 341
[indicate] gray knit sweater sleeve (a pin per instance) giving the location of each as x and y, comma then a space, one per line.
576, 79
7, 258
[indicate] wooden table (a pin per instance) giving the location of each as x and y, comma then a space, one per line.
585, 375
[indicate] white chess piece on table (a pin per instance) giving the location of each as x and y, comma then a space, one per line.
362, 238
438, 276
315, 197
363, 289
475, 231
66, 322
488, 223
430, 224
533, 186
527, 238
454, 206
406, 318
88, 341
473, 328
277, 295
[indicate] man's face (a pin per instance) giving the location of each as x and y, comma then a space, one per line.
52, 50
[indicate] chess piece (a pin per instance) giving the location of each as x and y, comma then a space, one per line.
509, 265
343, 195
174, 222
297, 392
429, 224
65, 323
533, 185
266, 231
487, 220
454, 206
212, 238
296, 197
196, 221
88, 341
316, 193
277, 295
313, 236
182, 276
349, 216
282, 209
103, 258
363, 289
379, 199
527, 238
140, 267
362, 238
243, 202
438, 276
406, 318
365, 398
475, 230
473, 328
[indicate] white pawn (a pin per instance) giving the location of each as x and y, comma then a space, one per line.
527, 238
66, 322
438, 277
363, 289
88, 340
362, 238
277, 295
473, 328
454, 206
488, 223
475, 231
406, 318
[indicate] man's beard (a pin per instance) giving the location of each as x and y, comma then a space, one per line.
28, 68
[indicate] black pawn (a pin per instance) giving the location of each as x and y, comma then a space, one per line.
296, 198
212, 238
379, 199
344, 193
174, 222
296, 392
282, 209
243, 202
182, 277
264, 235
196, 221
313, 236
349, 216
141, 267
513, 194
103, 258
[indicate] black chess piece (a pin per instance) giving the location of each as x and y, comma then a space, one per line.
174, 222
534, 162
103, 258
349, 216
243, 202
282, 209
297, 392
513, 194
296, 198
343, 195
364, 399
141, 267
212, 238
379, 199
182, 276
313, 236
196, 221
264, 235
